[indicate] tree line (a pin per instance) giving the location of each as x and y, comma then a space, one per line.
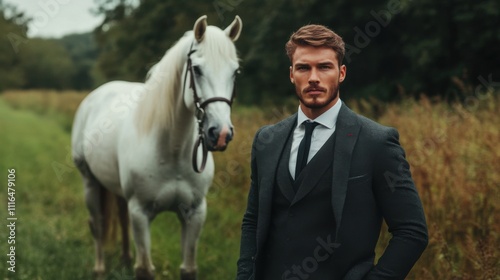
393, 47
27, 63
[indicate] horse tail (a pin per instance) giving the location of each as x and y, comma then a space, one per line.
109, 215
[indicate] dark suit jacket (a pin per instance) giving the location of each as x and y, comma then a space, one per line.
371, 181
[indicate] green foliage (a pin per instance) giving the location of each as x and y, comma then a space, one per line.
43, 63
394, 47
131, 39
46, 64
13, 30
451, 45
83, 51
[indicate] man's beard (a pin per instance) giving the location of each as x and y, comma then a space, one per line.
313, 104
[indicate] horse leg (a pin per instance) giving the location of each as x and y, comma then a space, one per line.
124, 224
192, 221
94, 193
144, 268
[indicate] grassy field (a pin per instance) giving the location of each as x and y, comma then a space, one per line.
453, 150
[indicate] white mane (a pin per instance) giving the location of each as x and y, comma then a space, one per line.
164, 80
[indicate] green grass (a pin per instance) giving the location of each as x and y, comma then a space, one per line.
49, 235
52, 236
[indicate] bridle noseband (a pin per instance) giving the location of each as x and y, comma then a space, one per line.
200, 112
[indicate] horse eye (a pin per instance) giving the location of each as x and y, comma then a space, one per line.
237, 72
197, 70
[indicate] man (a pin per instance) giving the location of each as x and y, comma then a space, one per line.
323, 180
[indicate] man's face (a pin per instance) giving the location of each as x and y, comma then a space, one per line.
316, 74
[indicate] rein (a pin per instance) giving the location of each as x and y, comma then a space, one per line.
200, 113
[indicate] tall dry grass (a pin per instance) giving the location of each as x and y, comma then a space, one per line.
59, 105
454, 153
453, 149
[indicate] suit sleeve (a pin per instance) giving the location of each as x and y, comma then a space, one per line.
248, 245
400, 205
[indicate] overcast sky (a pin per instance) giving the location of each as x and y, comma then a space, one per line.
56, 18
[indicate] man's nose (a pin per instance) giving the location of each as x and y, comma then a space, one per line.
314, 78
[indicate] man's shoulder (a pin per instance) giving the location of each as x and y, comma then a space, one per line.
268, 136
282, 126
368, 126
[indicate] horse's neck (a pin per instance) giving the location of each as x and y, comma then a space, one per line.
179, 138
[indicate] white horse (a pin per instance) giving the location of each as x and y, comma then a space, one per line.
139, 142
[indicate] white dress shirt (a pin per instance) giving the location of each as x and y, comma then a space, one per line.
320, 135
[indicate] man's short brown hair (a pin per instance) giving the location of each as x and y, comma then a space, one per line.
317, 36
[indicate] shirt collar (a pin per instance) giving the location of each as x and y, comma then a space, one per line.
327, 119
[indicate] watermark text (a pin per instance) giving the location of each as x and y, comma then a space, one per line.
11, 220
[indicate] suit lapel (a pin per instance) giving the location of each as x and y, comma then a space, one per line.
347, 129
270, 145
283, 178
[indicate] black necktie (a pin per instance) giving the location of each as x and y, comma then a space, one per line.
304, 146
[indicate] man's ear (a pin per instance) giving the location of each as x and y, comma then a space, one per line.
291, 75
342, 73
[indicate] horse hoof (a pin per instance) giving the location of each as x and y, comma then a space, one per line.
188, 275
144, 274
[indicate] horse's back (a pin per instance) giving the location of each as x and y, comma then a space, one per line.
98, 123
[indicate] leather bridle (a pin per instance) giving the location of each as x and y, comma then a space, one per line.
200, 112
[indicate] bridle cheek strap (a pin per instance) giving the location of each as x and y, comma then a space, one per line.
200, 113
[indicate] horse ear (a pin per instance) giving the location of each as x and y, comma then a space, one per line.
233, 31
200, 26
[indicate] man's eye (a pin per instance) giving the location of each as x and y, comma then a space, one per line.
301, 68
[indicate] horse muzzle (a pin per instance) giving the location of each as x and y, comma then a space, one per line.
218, 137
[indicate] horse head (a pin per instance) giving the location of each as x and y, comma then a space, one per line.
210, 72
